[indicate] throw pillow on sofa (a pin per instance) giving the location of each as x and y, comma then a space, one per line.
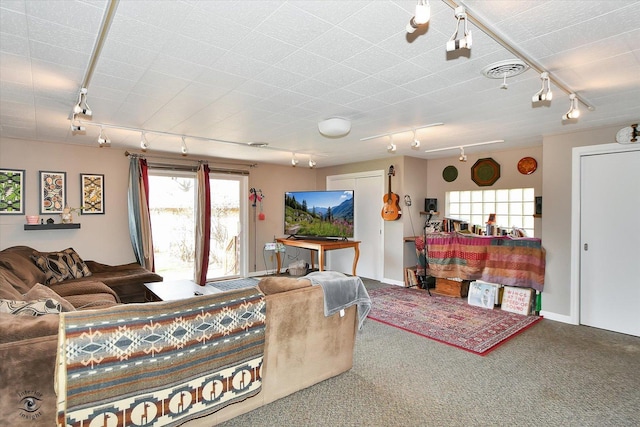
39, 291
58, 266
30, 308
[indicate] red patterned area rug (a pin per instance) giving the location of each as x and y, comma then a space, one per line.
445, 319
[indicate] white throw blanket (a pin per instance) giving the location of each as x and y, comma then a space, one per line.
341, 291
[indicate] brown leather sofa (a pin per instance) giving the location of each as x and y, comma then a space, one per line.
302, 348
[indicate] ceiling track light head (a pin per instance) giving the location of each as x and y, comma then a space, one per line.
103, 139
144, 144
463, 157
421, 17
415, 144
183, 149
574, 109
464, 42
294, 161
312, 163
545, 93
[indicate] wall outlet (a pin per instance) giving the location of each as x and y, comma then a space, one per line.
271, 246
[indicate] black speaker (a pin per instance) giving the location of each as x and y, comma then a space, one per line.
431, 205
538, 205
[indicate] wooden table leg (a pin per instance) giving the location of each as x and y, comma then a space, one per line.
311, 255
279, 262
321, 259
355, 258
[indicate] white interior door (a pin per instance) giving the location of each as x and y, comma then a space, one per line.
368, 224
610, 242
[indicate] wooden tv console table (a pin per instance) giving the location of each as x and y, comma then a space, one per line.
321, 246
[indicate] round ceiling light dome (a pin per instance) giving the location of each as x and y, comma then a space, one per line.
334, 127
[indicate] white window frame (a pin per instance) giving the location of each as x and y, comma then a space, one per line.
514, 207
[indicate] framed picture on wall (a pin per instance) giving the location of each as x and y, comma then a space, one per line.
53, 192
11, 191
92, 193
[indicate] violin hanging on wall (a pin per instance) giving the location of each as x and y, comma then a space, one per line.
391, 209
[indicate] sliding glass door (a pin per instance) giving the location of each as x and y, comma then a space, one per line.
172, 198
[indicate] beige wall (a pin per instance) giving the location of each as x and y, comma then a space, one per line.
556, 211
103, 238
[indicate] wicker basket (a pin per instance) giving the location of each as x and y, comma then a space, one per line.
297, 271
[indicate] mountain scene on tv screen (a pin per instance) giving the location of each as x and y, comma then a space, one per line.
319, 213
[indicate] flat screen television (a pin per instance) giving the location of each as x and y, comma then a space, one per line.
318, 214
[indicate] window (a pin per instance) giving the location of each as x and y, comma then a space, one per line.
513, 207
172, 201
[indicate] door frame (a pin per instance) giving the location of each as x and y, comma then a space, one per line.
576, 173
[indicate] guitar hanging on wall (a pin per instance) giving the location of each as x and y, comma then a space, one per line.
391, 209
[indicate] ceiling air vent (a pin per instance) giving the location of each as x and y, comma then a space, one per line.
505, 69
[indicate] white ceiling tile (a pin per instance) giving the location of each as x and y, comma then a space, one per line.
339, 76
12, 22
193, 51
78, 15
312, 87
402, 73
135, 33
278, 77
337, 44
394, 95
366, 104
56, 54
263, 48
127, 53
177, 68
167, 17
58, 35
377, 21
369, 86
107, 81
14, 45
122, 70
245, 13
305, 63
240, 65
332, 11
220, 78
372, 60
289, 25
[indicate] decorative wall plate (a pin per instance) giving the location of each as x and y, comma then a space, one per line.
485, 172
450, 173
527, 165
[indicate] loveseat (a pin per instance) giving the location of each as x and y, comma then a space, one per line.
302, 347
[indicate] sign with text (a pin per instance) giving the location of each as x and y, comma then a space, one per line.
517, 300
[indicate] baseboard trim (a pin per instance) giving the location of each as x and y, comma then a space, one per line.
557, 317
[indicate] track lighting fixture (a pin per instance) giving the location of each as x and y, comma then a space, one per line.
391, 148
312, 163
464, 42
544, 94
463, 157
184, 148
77, 127
415, 144
103, 139
461, 147
81, 107
421, 17
144, 144
574, 109
294, 161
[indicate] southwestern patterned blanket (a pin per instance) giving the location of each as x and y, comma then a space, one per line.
160, 363
504, 260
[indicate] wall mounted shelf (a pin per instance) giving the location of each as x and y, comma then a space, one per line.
50, 226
